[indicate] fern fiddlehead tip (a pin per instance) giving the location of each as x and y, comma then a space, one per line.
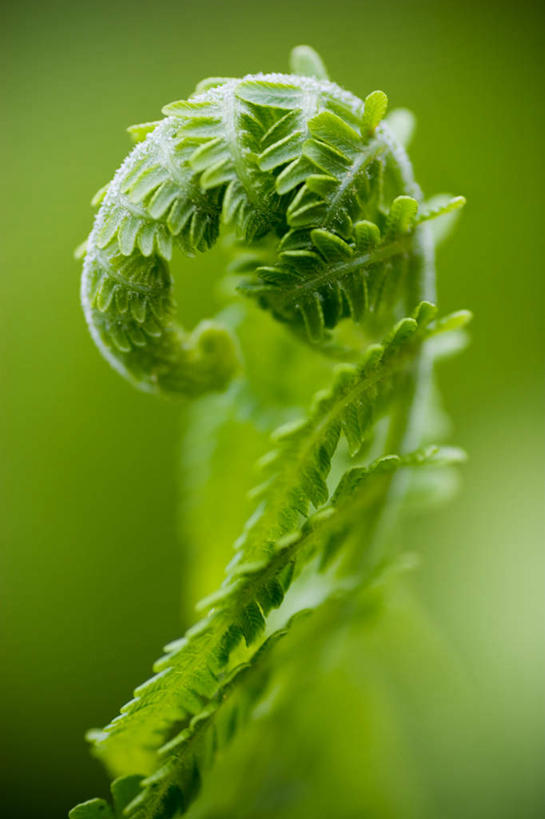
250, 154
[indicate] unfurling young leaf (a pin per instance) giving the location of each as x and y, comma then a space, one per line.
314, 192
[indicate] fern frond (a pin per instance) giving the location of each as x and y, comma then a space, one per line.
317, 188
182, 760
213, 154
262, 571
259, 152
345, 244
296, 470
322, 278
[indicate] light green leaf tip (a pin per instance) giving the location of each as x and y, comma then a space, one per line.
374, 110
306, 62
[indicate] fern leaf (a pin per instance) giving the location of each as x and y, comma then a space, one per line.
257, 151
260, 575
316, 185
374, 111
334, 196
203, 160
184, 759
296, 470
321, 278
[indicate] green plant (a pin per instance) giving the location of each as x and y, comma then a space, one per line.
318, 207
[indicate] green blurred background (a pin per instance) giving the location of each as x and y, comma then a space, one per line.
89, 466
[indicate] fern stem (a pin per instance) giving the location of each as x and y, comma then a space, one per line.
407, 430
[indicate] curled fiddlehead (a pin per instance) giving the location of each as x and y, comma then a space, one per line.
293, 157
318, 188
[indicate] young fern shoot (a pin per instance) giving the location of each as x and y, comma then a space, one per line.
336, 244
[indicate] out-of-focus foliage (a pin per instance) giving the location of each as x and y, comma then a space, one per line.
446, 721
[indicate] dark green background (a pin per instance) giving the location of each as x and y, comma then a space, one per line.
90, 589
